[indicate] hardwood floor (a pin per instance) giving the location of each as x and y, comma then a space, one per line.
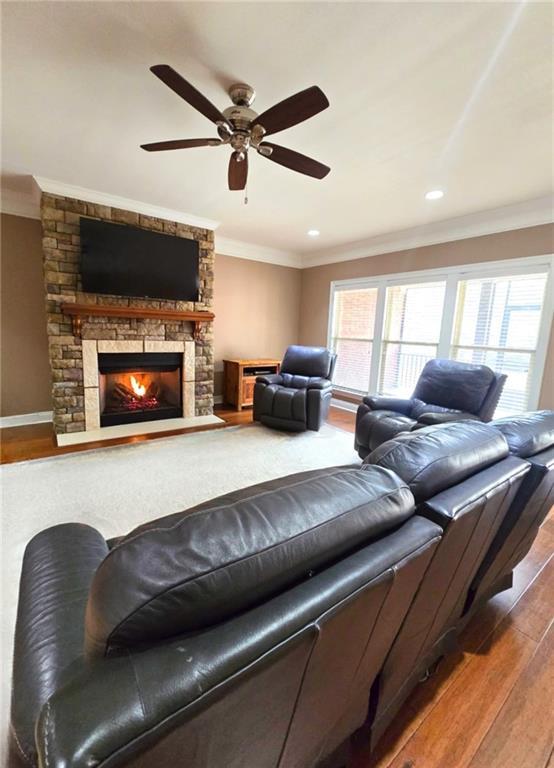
488, 706
37, 441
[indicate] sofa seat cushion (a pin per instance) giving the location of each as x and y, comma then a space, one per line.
194, 569
528, 433
452, 384
434, 458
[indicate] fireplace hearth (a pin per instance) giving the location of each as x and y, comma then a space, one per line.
137, 387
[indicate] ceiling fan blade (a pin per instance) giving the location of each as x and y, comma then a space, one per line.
188, 92
159, 146
238, 171
295, 161
293, 110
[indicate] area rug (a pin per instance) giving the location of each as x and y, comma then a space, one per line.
115, 489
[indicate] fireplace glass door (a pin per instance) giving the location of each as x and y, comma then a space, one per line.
139, 387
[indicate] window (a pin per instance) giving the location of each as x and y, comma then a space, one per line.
497, 324
353, 326
410, 335
385, 329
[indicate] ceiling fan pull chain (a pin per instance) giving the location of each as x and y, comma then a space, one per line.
246, 195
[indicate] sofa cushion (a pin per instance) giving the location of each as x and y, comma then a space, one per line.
196, 568
434, 458
528, 433
452, 384
307, 361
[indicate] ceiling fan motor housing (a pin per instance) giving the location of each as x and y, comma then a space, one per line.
242, 95
240, 117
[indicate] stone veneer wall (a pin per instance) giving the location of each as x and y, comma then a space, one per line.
61, 247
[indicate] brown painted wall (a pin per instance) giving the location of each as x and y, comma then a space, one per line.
257, 314
260, 308
257, 310
533, 241
24, 369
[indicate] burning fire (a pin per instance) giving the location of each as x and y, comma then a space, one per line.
138, 389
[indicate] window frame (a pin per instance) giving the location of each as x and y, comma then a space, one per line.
451, 276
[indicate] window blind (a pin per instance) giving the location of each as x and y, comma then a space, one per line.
411, 331
353, 327
497, 324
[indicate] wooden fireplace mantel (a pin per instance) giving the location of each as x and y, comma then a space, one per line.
78, 311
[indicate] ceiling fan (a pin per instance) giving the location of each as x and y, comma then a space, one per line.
243, 129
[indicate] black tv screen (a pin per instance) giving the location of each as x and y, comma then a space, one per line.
128, 261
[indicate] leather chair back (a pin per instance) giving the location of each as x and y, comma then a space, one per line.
465, 481
462, 386
308, 361
530, 436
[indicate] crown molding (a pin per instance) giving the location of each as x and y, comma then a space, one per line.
53, 187
530, 213
241, 250
20, 204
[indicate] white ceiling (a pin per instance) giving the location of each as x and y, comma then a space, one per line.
423, 95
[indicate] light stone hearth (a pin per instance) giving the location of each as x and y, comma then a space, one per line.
144, 428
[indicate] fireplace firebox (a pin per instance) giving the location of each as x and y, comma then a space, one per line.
145, 386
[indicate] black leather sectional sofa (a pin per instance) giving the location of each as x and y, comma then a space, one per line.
263, 628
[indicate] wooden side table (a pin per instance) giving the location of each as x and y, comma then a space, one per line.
239, 377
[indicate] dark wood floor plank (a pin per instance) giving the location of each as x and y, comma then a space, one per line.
522, 735
37, 441
533, 614
452, 732
490, 616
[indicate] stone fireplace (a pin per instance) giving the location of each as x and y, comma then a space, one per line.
98, 342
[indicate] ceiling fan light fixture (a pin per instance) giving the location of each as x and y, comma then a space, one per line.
313, 232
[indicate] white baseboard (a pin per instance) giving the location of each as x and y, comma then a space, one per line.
25, 418
346, 405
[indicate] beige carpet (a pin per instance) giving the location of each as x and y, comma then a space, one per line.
115, 489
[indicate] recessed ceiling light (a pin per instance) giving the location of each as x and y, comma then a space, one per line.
434, 194
313, 232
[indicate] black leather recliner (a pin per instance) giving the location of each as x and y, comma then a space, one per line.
446, 390
530, 436
297, 398
464, 479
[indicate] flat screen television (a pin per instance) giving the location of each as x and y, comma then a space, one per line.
128, 261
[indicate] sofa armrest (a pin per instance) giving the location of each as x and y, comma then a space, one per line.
269, 378
381, 403
429, 419
58, 567
319, 383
